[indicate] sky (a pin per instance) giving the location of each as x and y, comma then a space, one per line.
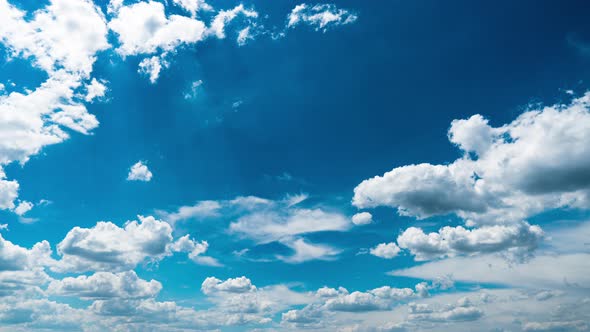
370, 166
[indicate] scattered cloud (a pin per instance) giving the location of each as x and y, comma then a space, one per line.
362, 218
535, 163
139, 172
516, 241
320, 17
385, 250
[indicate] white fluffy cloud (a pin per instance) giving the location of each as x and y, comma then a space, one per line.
535, 163
96, 89
62, 39
321, 16
108, 247
143, 28
139, 172
103, 285
362, 218
518, 241
463, 310
304, 251
224, 17
385, 250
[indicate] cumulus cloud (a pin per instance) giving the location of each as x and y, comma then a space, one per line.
23, 207
95, 89
139, 172
385, 250
463, 310
518, 241
62, 39
151, 67
362, 218
143, 28
108, 247
321, 16
535, 163
231, 285
103, 285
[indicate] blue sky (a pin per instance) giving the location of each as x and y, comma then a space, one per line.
213, 165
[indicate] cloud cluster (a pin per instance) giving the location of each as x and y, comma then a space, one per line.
535, 163
320, 17
262, 221
518, 240
108, 247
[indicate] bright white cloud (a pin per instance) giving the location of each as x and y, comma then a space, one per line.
385, 250
143, 28
321, 16
152, 67
362, 218
23, 207
96, 89
516, 241
62, 39
103, 285
139, 172
108, 247
463, 310
535, 163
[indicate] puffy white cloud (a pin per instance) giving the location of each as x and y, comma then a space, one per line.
108, 247
152, 67
143, 27
8, 192
139, 172
463, 310
96, 89
62, 39
321, 16
66, 34
195, 250
17, 258
231, 285
23, 207
103, 285
385, 250
535, 163
362, 218
518, 241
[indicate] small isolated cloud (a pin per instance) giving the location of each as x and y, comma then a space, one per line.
320, 17
23, 207
385, 250
139, 172
194, 89
362, 218
152, 67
